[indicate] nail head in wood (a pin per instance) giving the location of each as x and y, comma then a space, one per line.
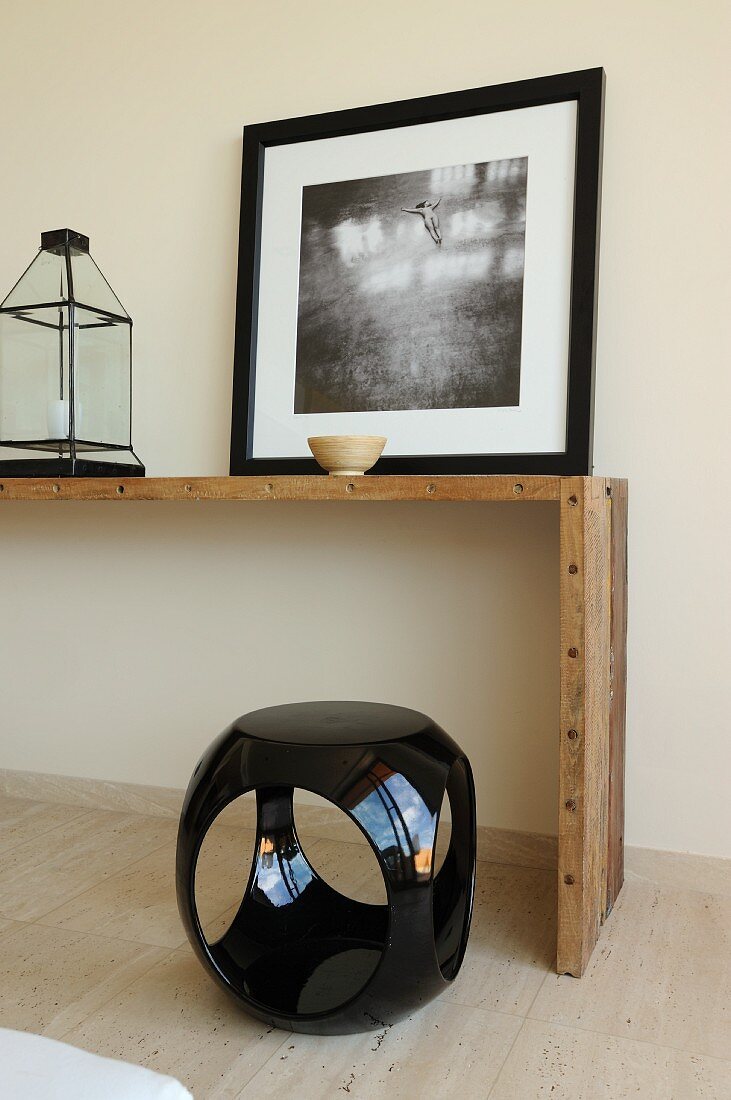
120, 490
518, 488
571, 804
569, 880
350, 487
431, 488
573, 569
573, 652
573, 500
572, 735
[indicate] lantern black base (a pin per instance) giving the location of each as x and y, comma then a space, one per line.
68, 467
298, 954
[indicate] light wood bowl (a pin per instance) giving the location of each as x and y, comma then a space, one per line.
347, 455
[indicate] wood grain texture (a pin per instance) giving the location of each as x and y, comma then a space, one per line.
618, 695
347, 455
584, 734
310, 487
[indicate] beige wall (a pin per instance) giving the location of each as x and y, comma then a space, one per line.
131, 635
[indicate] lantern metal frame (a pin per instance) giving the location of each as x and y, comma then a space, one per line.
69, 451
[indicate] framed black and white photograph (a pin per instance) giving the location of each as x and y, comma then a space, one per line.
424, 271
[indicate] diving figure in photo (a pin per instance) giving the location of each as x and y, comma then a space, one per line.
427, 210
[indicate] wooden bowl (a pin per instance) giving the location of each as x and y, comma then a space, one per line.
347, 455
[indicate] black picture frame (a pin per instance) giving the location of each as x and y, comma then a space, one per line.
586, 87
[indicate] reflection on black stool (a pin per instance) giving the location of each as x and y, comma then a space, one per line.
298, 954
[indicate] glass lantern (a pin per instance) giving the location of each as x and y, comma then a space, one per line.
65, 369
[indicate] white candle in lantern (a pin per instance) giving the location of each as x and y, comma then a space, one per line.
58, 419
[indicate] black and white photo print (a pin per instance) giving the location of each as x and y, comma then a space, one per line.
411, 290
423, 271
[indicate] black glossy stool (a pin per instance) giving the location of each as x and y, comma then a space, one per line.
299, 954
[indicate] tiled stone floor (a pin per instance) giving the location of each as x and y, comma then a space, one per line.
93, 953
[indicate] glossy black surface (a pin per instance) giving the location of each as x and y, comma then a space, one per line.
333, 723
298, 954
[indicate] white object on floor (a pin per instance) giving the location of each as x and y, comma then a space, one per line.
35, 1068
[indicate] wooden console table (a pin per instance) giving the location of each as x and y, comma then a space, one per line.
593, 532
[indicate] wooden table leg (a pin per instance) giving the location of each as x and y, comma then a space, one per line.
583, 831
618, 694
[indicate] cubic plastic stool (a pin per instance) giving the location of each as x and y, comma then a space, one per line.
298, 954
